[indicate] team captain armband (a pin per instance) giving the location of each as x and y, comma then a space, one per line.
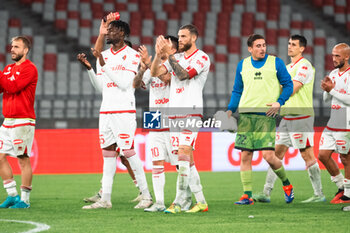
192, 72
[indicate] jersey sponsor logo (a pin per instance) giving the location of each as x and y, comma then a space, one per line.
137, 56
258, 76
205, 58
300, 74
304, 67
118, 67
180, 90
340, 142
157, 85
297, 135
161, 101
111, 84
336, 106
123, 136
200, 63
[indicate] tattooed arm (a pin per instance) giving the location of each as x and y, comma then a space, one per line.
180, 72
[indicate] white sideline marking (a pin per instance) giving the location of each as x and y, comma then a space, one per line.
39, 226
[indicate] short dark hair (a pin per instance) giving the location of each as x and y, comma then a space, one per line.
123, 26
253, 38
26, 41
174, 40
128, 43
302, 40
193, 29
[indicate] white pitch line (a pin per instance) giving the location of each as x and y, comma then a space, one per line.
39, 226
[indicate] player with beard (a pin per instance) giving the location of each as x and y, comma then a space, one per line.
17, 83
336, 135
189, 70
116, 68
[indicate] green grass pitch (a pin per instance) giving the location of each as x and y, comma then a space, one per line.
56, 200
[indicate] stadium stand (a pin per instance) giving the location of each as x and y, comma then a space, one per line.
61, 28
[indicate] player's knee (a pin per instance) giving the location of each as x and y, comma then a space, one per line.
185, 150
344, 159
129, 153
108, 153
323, 157
23, 161
269, 156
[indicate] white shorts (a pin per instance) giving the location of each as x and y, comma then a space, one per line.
184, 136
17, 136
298, 133
338, 141
117, 128
160, 146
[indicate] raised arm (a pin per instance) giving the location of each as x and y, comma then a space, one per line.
99, 44
156, 68
95, 81
146, 61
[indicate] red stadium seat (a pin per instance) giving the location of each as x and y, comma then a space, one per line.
261, 5
14, 22
283, 33
329, 62
148, 15
209, 48
234, 45
160, 28
221, 58
174, 15
147, 40
85, 23
181, 5
2, 57
317, 3
121, 6
50, 62
320, 41
204, 6
61, 24
73, 15
227, 5
271, 36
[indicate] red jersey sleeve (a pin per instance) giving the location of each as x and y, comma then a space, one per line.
17, 80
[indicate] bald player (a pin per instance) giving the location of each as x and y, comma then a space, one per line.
336, 135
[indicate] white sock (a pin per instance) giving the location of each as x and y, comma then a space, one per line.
158, 179
271, 178
347, 187
184, 174
109, 167
25, 193
315, 178
10, 186
179, 194
338, 180
136, 166
195, 185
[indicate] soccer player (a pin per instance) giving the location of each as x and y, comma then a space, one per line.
257, 108
296, 127
336, 135
160, 147
103, 30
116, 68
17, 83
189, 70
